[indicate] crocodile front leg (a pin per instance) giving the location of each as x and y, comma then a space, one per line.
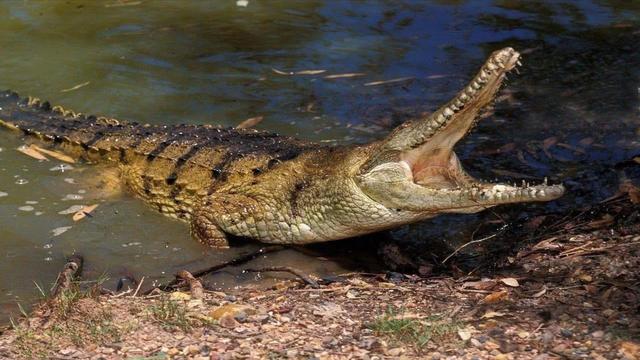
221, 214
207, 231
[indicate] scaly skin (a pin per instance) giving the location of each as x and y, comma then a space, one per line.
281, 190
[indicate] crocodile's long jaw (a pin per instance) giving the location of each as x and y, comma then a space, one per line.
429, 153
421, 153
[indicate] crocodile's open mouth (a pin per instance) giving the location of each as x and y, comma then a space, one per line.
434, 164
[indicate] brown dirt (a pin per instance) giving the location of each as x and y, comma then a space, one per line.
567, 296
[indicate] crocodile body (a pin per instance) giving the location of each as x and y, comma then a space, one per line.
279, 189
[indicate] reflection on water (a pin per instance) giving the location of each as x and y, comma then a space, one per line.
571, 113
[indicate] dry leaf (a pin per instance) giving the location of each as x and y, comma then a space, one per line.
301, 72
480, 285
30, 151
491, 315
76, 87
585, 278
310, 72
179, 295
540, 293
55, 154
392, 81
464, 334
59, 230
82, 213
386, 285
631, 350
351, 294
347, 75
630, 189
510, 282
359, 283
495, 297
250, 122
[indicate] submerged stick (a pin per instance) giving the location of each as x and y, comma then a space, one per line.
233, 262
304, 277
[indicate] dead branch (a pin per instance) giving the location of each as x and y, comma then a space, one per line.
233, 262
71, 269
304, 277
197, 291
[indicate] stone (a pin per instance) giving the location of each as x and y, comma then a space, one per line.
237, 311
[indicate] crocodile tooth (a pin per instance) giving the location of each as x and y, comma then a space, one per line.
440, 119
475, 85
491, 66
448, 112
459, 104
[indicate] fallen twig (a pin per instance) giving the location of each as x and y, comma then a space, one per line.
304, 277
467, 244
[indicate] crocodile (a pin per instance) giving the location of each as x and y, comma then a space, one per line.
282, 190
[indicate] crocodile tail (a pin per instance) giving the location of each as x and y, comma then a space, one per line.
54, 124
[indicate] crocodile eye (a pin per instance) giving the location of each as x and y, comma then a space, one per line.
216, 172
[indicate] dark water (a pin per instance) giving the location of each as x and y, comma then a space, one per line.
570, 115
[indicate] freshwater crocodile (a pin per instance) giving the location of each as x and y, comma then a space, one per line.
278, 189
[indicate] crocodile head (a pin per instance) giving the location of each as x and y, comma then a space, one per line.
415, 168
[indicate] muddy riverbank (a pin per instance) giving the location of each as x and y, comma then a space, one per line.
569, 295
